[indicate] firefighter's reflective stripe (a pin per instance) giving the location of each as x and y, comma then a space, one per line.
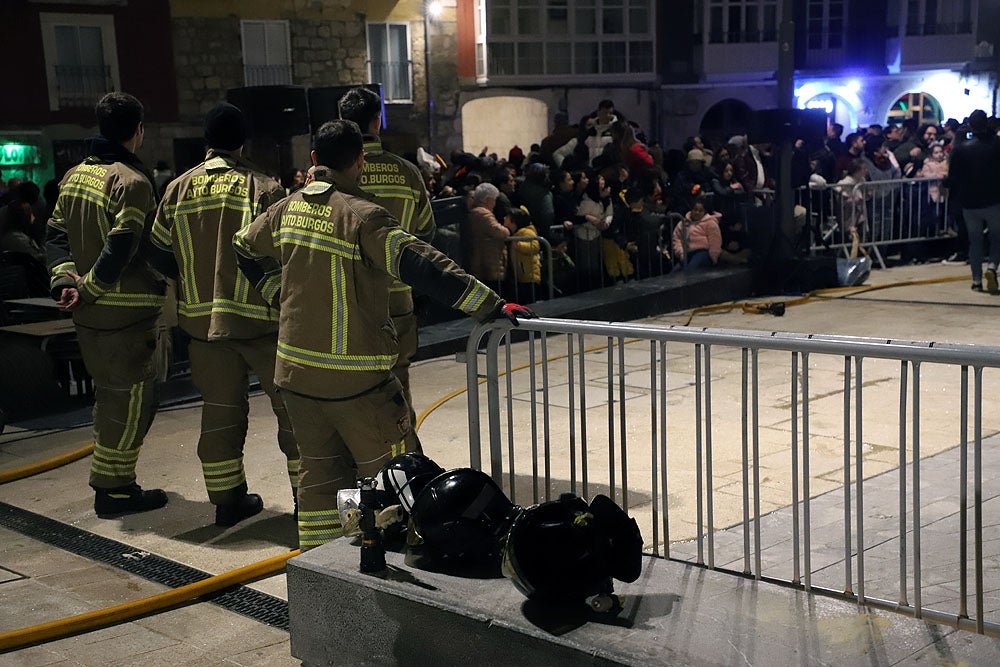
223, 475
125, 300
59, 271
319, 527
341, 313
337, 362
473, 297
130, 214
95, 196
328, 244
112, 462
230, 307
269, 289
395, 241
293, 471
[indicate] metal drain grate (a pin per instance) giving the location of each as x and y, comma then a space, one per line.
240, 599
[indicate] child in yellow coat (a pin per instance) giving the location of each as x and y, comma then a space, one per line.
526, 255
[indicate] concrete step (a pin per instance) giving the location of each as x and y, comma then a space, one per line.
675, 614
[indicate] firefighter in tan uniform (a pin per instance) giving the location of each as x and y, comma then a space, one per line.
233, 329
328, 254
101, 220
399, 187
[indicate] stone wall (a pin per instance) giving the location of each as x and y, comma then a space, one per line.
329, 52
208, 55
445, 89
328, 48
208, 52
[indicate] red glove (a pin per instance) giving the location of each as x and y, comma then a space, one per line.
512, 311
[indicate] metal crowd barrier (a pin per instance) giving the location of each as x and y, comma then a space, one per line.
589, 270
886, 213
545, 248
636, 411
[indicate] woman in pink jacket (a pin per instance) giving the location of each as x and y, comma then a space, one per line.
697, 240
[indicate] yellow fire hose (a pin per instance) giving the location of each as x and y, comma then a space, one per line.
44, 466
816, 295
129, 610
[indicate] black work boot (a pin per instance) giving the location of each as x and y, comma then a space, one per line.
131, 499
230, 514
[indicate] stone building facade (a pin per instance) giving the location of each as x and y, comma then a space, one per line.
327, 46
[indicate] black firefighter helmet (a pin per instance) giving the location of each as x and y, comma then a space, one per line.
460, 517
404, 477
566, 551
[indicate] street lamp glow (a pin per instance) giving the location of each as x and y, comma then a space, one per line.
435, 8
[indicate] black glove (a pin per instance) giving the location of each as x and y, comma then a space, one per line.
512, 311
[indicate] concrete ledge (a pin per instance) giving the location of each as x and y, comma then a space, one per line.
630, 301
675, 614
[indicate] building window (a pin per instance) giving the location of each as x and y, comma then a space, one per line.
267, 58
575, 39
739, 21
389, 61
825, 23
921, 106
81, 58
938, 17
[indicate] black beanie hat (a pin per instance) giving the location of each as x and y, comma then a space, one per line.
225, 127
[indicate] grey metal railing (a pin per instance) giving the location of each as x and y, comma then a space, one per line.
267, 75
544, 248
672, 412
396, 78
80, 86
883, 213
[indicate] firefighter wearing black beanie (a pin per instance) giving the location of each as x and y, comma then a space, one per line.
225, 127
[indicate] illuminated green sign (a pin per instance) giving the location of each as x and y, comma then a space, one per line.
18, 154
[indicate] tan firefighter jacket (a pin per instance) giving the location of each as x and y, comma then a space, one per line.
100, 231
399, 187
201, 211
328, 254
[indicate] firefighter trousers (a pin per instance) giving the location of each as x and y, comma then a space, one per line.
340, 441
406, 335
220, 371
121, 362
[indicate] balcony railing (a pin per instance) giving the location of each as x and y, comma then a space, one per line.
915, 29
395, 77
80, 86
742, 36
267, 75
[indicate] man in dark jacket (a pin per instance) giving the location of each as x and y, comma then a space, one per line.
972, 184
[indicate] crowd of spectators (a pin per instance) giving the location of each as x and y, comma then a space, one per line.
606, 205
23, 216
612, 206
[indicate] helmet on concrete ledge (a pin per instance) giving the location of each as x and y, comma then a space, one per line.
566, 551
404, 477
460, 517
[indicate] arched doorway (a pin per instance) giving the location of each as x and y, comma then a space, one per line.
836, 108
921, 106
502, 122
724, 119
